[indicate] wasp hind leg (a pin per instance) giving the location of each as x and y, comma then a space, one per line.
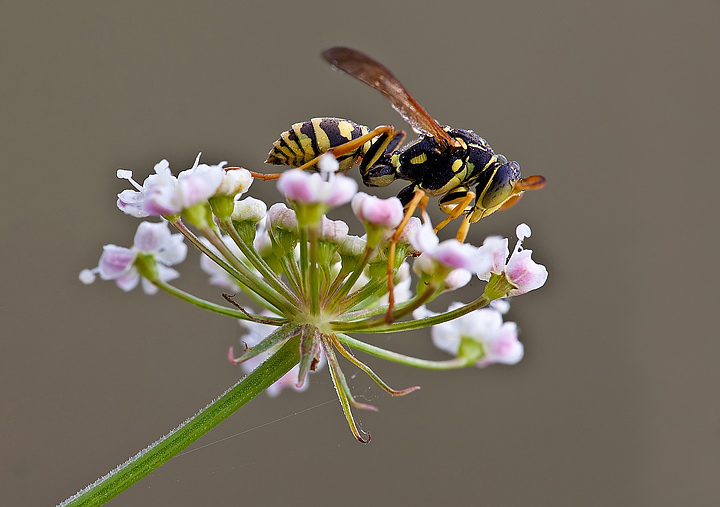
419, 200
350, 146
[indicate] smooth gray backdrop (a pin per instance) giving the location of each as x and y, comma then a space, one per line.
616, 103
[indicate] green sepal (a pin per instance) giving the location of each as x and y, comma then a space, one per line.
147, 266
498, 286
308, 215
470, 350
199, 215
222, 206
247, 230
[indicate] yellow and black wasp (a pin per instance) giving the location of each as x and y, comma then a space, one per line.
443, 162
457, 166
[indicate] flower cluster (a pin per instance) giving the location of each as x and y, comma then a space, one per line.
313, 282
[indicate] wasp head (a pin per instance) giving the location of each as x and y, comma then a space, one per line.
495, 186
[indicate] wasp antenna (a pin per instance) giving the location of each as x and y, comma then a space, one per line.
531, 183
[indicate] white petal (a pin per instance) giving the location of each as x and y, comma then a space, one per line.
495, 252
150, 237
173, 251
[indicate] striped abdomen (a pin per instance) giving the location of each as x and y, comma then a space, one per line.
307, 140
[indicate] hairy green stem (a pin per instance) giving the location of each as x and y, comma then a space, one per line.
188, 432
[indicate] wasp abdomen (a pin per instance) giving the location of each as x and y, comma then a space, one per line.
307, 140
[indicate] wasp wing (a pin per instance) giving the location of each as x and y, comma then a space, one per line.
373, 73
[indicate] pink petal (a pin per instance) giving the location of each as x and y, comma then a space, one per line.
524, 273
298, 186
383, 212
129, 280
115, 261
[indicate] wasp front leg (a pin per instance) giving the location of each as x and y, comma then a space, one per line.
454, 203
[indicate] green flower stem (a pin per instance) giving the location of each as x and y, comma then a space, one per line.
451, 364
427, 295
207, 305
244, 284
289, 266
335, 285
250, 279
188, 432
192, 238
313, 237
304, 259
337, 299
365, 326
374, 316
498, 286
364, 314
373, 288
258, 262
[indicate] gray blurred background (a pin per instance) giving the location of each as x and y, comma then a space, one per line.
615, 103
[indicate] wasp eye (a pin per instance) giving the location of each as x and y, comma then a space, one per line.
501, 185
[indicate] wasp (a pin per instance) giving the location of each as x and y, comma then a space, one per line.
455, 165
443, 162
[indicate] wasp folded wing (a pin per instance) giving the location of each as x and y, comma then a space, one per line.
376, 75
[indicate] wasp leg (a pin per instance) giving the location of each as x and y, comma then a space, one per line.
350, 146
419, 200
260, 176
457, 210
463, 229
